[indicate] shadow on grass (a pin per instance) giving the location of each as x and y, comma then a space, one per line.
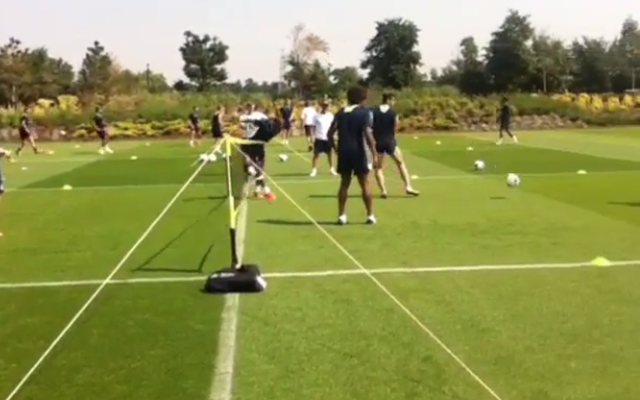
143, 267
357, 196
201, 198
285, 222
625, 203
497, 198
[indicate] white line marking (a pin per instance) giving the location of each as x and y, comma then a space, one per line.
391, 296
104, 284
222, 382
326, 273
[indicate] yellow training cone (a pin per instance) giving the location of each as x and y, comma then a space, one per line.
601, 262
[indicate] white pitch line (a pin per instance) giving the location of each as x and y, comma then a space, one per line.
104, 284
389, 294
222, 381
326, 273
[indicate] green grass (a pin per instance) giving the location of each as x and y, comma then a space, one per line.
465, 260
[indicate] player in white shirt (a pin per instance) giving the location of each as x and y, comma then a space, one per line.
257, 153
321, 145
3, 153
308, 119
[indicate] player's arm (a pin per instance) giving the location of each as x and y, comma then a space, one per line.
368, 136
331, 135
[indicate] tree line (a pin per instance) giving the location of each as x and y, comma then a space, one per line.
518, 58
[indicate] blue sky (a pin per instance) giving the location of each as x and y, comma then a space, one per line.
138, 32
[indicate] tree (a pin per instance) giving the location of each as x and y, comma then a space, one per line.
625, 56
304, 68
12, 68
472, 77
44, 76
96, 74
344, 78
509, 59
551, 63
592, 67
204, 58
391, 56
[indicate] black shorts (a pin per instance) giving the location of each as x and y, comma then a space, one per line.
217, 134
24, 135
308, 130
286, 125
321, 147
103, 134
256, 154
386, 147
504, 125
353, 163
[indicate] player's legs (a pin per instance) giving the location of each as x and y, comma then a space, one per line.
262, 189
24, 139
330, 160
104, 142
286, 132
217, 140
367, 198
379, 174
345, 169
504, 127
308, 132
396, 155
317, 150
32, 143
194, 139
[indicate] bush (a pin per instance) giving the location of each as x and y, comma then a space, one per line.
437, 108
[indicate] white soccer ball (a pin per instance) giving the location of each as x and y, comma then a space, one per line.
204, 157
252, 170
212, 158
513, 180
283, 157
478, 165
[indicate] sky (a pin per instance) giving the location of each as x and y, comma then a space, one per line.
141, 32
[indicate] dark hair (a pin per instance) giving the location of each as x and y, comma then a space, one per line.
307, 103
505, 99
356, 95
97, 108
387, 97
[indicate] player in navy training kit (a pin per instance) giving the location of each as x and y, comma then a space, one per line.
505, 122
194, 127
26, 134
352, 124
385, 121
217, 128
101, 128
286, 114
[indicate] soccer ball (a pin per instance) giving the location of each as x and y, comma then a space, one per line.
283, 157
478, 165
513, 180
212, 158
251, 170
204, 157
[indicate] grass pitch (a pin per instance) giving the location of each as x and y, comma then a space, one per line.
472, 291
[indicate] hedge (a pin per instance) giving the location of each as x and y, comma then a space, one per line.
439, 109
